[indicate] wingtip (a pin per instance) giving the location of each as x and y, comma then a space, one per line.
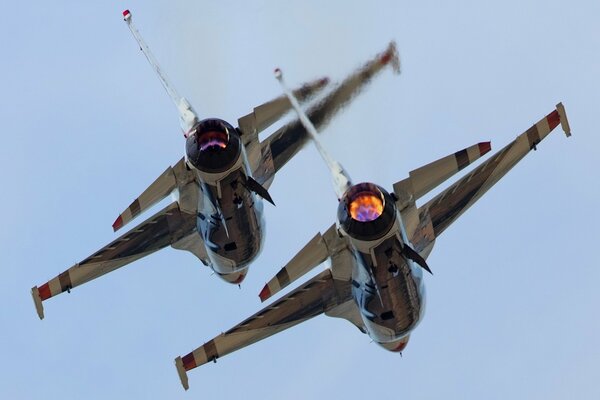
265, 293
390, 56
182, 373
37, 300
564, 122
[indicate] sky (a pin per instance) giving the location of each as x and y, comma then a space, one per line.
512, 310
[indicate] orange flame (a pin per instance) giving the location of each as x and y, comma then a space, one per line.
366, 206
213, 139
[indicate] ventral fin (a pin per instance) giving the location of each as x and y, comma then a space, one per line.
257, 188
411, 254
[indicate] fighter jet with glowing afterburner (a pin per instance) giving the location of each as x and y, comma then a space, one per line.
220, 183
377, 249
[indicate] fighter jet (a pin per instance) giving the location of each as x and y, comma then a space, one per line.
377, 249
220, 183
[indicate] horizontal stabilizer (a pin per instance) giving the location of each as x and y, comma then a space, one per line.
424, 179
182, 373
268, 113
158, 190
313, 254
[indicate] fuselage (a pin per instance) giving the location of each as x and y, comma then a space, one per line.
387, 287
234, 235
389, 292
230, 215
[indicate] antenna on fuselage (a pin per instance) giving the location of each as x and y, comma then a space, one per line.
341, 180
186, 112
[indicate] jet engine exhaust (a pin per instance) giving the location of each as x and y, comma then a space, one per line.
213, 146
213, 140
366, 211
365, 206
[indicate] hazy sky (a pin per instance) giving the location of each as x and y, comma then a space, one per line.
512, 310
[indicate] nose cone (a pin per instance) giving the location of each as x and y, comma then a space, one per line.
396, 346
234, 278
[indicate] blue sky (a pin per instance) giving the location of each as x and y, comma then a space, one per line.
512, 308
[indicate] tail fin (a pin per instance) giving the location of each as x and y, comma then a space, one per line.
284, 144
270, 112
187, 114
341, 180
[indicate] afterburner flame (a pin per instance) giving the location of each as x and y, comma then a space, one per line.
212, 140
365, 207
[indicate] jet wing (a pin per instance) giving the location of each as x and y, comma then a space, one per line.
446, 207
166, 227
315, 297
282, 145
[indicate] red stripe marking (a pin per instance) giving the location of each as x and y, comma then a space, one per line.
265, 293
44, 291
553, 119
189, 362
484, 147
117, 224
401, 346
126, 13
240, 278
386, 57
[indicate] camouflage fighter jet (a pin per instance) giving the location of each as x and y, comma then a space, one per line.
220, 183
377, 249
